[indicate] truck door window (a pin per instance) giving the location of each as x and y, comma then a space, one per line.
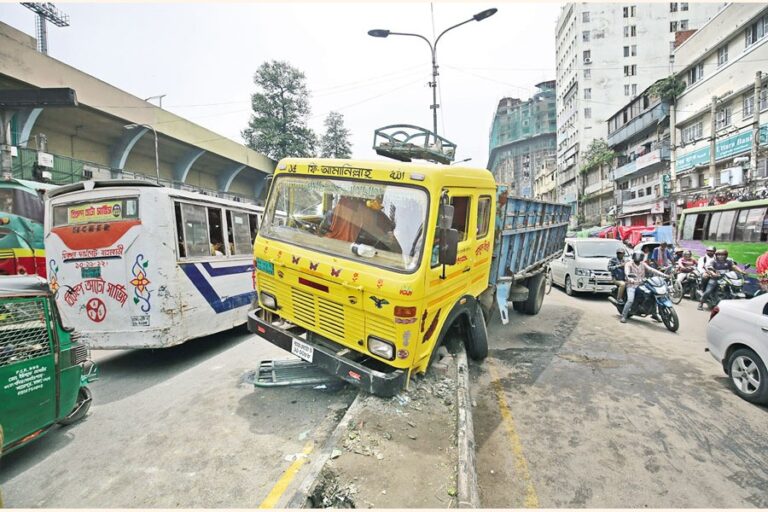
461, 215
483, 216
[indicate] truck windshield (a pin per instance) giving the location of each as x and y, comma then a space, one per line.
605, 249
372, 222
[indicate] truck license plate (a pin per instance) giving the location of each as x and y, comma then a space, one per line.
301, 349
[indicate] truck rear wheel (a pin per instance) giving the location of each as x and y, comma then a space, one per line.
536, 285
478, 344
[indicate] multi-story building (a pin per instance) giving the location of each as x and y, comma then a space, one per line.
721, 108
522, 141
606, 54
639, 135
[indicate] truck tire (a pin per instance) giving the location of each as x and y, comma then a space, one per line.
478, 332
536, 289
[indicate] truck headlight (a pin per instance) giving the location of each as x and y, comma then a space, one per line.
268, 300
582, 272
381, 348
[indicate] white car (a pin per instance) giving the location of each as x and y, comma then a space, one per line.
583, 266
737, 337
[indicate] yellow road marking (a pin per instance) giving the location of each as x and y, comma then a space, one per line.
521, 465
287, 477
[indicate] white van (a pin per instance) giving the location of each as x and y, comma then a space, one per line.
583, 266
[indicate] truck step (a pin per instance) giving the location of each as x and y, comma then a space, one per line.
294, 372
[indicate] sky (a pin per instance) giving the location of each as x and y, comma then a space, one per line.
202, 56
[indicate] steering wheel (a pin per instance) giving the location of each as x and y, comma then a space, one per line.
303, 224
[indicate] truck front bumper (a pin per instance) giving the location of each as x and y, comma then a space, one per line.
331, 357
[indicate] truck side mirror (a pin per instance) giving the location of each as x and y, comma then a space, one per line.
449, 246
445, 216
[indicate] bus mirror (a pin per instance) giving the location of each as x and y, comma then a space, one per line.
449, 246
445, 216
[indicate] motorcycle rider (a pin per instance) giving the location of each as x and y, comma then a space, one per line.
704, 262
721, 263
635, 271
661, 256
685, 266
616, 268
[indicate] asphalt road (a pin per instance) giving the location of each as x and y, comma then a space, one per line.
574, 409
178, 427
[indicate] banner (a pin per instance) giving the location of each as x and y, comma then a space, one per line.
95, 212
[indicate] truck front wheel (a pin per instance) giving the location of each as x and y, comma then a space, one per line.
478, 344
536, 291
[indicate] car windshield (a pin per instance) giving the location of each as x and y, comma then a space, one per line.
605, 249
372, 222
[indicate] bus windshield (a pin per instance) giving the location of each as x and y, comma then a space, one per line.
372, 222
23, 203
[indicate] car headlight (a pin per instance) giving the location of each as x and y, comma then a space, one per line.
582, 272
381, 348
268, 300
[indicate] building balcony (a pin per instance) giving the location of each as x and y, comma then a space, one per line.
601, 187
625, 170
645, 161
639, 124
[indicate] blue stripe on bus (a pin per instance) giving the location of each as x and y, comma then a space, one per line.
207, 291
226, 271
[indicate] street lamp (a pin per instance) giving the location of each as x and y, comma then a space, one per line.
157, 157
433, 48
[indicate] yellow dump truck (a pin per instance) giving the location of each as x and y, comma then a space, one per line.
363, 267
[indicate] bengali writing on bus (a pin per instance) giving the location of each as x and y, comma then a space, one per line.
95, 212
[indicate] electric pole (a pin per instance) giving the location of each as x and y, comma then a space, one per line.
712, 140
755, 133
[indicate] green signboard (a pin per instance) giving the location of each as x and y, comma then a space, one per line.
724, 148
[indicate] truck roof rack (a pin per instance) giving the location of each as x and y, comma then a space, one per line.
405, 142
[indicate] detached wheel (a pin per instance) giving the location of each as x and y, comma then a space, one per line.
568, 286
669, 317
478, 347
536, 285
84, 399
748, 376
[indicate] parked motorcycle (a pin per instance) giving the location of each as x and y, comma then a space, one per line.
652, 296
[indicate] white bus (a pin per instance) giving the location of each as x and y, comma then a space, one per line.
136, 265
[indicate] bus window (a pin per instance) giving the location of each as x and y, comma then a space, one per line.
241, 232
725, 227
712, 231
179, 230
6, 200
216, 232
756, 228
701, 221
195, 230
738, 233
689, 226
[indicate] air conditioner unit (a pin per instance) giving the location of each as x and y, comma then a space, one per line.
87, 174
587, 61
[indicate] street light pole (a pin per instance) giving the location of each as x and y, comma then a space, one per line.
157, 154
433, 50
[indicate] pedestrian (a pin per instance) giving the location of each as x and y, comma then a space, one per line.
635, 271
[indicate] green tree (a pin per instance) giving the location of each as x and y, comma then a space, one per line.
668, 89
278, 124
335, 142
598, 153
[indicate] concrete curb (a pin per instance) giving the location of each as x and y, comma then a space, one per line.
468, 494
299, 498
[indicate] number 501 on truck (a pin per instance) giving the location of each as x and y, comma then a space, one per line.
363, 267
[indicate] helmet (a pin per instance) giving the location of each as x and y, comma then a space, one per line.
678, 250
687, 253
723, 253
711, 248
638, 256
620, 251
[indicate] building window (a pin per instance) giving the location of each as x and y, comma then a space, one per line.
684, 6
633, 50
763, 98
587, 74
723, 118
587, 94
756, 31
626, 51
673, 26
587, 113
585, 17
587, 56
630, 31
748, 107
683, 24
585, 36
696, 73
634, 89
629, 11
626, 90
630, 70
673, 7
722, 55
693, 132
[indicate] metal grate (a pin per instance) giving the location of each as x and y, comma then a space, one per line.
23, 332
78, 353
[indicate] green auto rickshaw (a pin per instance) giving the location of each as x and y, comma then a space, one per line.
44, 372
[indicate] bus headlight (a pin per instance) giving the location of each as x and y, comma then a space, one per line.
268, 300
381, 348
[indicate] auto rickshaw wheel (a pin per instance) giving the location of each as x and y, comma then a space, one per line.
84, 399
